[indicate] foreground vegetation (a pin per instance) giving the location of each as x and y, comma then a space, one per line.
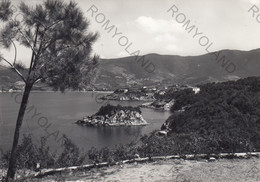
30, 154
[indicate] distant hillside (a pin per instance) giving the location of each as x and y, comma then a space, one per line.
168, 69
121, 72
10, 80
7, 77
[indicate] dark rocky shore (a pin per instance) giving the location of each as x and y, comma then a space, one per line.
161, 104
110, 115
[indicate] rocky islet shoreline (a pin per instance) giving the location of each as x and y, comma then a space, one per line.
110, 115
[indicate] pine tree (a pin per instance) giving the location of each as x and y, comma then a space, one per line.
58, 37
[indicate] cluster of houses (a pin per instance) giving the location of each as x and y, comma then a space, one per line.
149, 91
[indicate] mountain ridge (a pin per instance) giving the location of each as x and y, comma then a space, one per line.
169, 69
177, 69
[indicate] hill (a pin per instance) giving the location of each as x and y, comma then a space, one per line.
7, 77
10, 80
158, 70
171, 69
222, 117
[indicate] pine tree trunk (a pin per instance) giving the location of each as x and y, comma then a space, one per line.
12, 160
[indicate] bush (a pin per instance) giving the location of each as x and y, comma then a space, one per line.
29, 155
112, 155
70, 155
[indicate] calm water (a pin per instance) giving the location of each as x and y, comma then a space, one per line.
56, 114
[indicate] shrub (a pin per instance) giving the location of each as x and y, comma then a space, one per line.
112, 155
70, 155
29, 155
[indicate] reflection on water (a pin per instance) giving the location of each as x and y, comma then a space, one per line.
61, 111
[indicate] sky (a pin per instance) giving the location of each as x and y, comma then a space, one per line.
151, 26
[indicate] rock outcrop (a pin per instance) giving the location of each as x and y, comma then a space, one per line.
115, 116
163, 104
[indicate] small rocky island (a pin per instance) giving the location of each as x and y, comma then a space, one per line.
110, 115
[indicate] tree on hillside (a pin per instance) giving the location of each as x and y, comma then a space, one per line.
57, 35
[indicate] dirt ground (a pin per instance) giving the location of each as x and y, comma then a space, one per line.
230, 170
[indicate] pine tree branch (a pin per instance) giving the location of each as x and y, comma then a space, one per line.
27, 40
37, 80
39, 51
33, 52
20, 31
45, 30
15, 51
42, 48
54, 23
51, 42
16, 70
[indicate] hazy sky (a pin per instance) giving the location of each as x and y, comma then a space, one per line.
149, 28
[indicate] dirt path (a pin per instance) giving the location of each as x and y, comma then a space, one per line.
230, 170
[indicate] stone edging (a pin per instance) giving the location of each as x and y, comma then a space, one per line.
45, 172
